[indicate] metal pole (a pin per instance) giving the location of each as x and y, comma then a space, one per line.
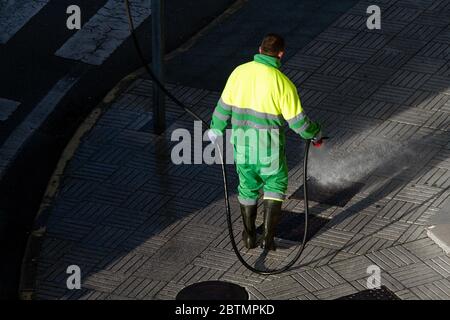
158, 49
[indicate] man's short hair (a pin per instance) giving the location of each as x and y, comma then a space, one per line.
272, 44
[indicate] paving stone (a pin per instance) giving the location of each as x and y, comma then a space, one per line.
122, 262
373, 73
432, 137
145, 201
296, 76
408, 43
438, 290
351, 21
424, 249
311, 97
424, 65
169, 291
332, 239
111, 194
413, 233
375, 109
420, 31
436, 50
305, 63
52, 250
352, 269
321, 49
217, 259
444, 71
335, 292
418, 194
354, 54
389, 58
392, 258
350, 222
240, 275
440, 6
103, 281
409, 79
397, 13
395, 130
427, 100
437, 83
362, 244
435, 177
320, 82
106, 236
369, 40
85, 294
407, 212
338, 102
284, 288
440, 264
138, 288
77, 189
337, 35
338, 68
141, 242
50, 291
195, 274
68, 229
95, 171
318, 279
392, 94
159, 270
415, 275
440, 121
357, 88
314, 256
386, 280
406, 295
441, 199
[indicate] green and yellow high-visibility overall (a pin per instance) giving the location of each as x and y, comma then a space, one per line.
259, 99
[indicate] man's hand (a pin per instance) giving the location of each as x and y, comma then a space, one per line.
212, 136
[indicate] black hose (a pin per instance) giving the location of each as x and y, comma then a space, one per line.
224, 173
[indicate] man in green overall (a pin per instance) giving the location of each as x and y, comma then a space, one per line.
259, 99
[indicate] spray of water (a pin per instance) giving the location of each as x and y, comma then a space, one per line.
333, 167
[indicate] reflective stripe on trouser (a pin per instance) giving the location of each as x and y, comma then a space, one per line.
269, 174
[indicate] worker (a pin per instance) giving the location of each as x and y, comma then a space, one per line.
258, 97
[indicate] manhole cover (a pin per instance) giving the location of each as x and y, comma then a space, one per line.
292, 226
213, 290
372, 294
333, 196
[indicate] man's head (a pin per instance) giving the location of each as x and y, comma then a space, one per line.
273, 45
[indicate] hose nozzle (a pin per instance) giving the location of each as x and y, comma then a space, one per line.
318, 143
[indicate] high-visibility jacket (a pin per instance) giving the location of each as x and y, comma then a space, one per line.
258, 95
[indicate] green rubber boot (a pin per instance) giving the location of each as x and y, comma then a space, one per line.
249, 218
272, 215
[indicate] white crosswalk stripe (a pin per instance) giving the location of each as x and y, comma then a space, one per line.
104, 32
33, 121
7, 107
14, 14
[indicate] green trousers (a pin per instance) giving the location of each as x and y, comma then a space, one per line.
260, 173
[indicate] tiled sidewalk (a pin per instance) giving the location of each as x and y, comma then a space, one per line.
141, 227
